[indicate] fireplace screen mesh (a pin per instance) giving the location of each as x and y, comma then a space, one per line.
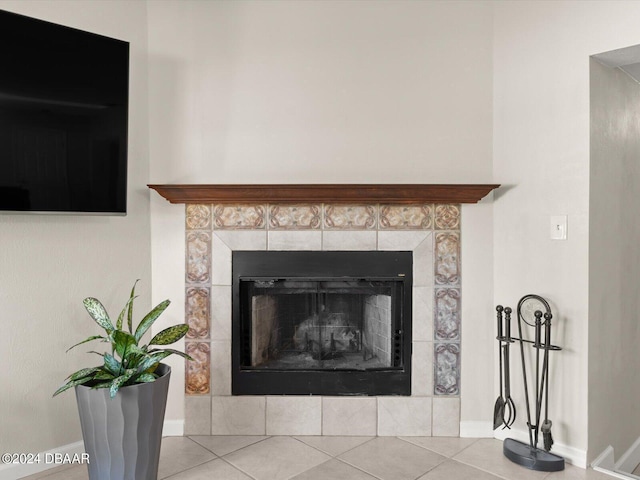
319, 324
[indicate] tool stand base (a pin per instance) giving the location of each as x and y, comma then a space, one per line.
532, 458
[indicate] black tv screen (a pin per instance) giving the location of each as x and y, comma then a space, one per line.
64, 96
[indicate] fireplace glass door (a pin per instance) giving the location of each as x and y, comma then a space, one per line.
321, 324
330, 323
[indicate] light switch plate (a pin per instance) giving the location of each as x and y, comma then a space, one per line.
558, 227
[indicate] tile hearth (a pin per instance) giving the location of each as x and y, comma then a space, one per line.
431, 231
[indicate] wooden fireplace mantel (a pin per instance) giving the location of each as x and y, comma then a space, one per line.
325, 193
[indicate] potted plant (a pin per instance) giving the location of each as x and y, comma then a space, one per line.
122, 402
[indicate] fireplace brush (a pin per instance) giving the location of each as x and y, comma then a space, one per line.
530, 314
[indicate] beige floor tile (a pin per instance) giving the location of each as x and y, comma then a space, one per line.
334, 470
181, 453
447, 446
360, 458
575, 473
452, 469
334, 445
218, 469
390, 458
276, 458
48, 472
486, 454
224, 444
64, 472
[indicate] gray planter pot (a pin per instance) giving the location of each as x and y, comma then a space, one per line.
122, 435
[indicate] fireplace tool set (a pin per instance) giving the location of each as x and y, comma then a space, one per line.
533, 311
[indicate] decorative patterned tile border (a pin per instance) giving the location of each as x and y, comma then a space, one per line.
198, 372
350, 217
198, 312
447, 217
239, 217
447, 374
447, 315
441, 224
294, 217
198, 217
198, 256
447, 258
406, 217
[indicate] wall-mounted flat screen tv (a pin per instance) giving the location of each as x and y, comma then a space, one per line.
64, 97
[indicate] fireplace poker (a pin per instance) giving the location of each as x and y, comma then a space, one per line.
509, 405
498, 409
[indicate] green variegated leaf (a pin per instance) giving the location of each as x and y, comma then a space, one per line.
149, 318
148, 364
177, 352
130, 309
136, 350
118, 382
98, 313
85, 372
122, 342
71, 384
94, 337
102, 385
103, 375
170, 335
122, 313
111, 364
134, 356
146, 378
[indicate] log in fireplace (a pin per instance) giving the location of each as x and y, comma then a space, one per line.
321, 323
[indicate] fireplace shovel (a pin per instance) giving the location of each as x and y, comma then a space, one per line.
509, 405
498, 409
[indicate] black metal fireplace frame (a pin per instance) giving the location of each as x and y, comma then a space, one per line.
334, 265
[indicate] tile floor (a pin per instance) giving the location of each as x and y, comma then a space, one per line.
335, 458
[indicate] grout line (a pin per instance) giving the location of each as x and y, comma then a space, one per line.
266, 437
265, 414
468, 446
357, 468
495, 474
192, 466
238, 468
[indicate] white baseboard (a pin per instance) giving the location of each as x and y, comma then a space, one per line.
46, 461
572, 455
476, 429
173, 428
170, 428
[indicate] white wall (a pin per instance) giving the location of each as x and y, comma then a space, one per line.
614, 236
325, 92
48, 263
541, 150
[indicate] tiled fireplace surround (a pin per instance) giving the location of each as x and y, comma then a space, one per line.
431, 231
